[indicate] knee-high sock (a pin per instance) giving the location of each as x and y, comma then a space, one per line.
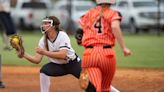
44, 83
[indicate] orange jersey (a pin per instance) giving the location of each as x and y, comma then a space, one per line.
97, 32
96, 28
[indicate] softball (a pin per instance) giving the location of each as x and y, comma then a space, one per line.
15, 40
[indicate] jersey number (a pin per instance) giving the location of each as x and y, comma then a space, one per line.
98, 25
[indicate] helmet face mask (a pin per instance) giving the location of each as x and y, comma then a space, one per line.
105, 1
46, 22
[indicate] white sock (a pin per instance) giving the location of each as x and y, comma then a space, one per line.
44, 83
113, 89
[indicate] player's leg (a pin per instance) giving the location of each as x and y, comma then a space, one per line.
5, 38
44, 83
95, 78
9, 28
90, 59
8, 24
1, 83
50, 69
108, 68
6, 42
76, 70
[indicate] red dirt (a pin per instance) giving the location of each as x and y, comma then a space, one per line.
26, 79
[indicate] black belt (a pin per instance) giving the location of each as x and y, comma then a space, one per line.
105, 46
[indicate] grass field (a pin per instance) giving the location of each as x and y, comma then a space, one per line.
147, 50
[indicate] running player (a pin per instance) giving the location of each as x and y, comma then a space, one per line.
101, 26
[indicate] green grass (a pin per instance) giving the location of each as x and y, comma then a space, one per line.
147, 51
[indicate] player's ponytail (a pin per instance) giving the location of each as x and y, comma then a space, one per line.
46, 42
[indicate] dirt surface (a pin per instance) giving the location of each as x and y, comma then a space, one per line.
26, 79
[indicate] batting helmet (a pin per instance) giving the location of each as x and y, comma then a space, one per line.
105, 1
53, 21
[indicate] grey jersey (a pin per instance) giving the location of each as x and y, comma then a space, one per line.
5, 5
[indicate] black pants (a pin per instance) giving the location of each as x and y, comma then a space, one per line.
7, 22
73, 67
53, 69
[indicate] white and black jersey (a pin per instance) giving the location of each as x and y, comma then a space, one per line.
62, 41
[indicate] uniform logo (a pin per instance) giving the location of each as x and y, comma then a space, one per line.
66, 44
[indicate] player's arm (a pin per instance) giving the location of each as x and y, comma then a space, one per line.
60, 54
118, 34
33, 59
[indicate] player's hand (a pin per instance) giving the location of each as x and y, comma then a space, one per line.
17, 43
127, 52
40, 51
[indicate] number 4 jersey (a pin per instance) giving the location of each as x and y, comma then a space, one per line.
96, 24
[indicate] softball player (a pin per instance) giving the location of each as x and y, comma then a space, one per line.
7, 22
55, 44
101, 26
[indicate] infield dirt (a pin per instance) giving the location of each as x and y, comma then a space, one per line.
26, 79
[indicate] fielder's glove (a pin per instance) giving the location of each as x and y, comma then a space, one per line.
17, 43
79, 36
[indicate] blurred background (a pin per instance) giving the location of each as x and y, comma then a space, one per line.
27, 14
138, 15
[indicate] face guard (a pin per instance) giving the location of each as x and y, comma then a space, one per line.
46, 22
